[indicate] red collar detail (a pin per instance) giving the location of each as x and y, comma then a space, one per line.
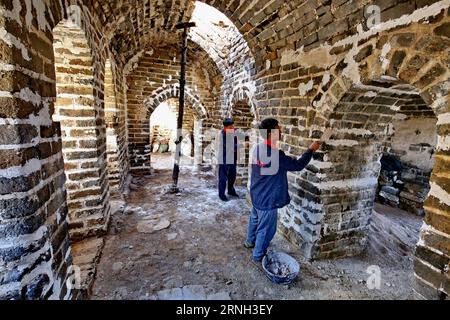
269, 143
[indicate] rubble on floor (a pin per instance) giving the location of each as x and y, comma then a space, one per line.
202, 251
394, 234
406, 189
86, 255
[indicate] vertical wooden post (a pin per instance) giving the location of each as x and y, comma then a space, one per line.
176, 167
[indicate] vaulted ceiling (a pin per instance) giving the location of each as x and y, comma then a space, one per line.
133, 25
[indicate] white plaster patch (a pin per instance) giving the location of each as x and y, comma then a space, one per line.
6, 67
31, 166
41, 9
9, 67
29, 96
9, 242
400, 116
352, 69
416, 16
304, 88
383, 57
309, 204
444, 118
5, 94
444, 88
317, 57
321, 164
385, 90
426, 228
207, 79
348, 183
370, 94
443, 143
29, 15
11, 41
326, 78
13, 14
439, 193
355, 131
343, 143
132, 63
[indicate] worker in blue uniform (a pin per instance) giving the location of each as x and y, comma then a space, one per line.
269, 187
228, 155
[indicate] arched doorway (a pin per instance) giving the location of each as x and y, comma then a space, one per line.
194, 115
163, 133
367, 124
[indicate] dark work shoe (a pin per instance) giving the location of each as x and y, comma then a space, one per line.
233, 194
249, 245
223, 198
257, 264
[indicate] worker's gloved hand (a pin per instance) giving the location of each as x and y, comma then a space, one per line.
315, 146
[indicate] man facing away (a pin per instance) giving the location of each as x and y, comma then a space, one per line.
269, 187
228, 155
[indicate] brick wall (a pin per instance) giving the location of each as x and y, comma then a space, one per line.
409, 53
83, 152
155, 80
35, 252
297, 61
39, 148
115, 154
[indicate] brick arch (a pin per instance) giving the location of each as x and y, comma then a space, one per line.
414, 60
123, 29
83, 147
173, 91
416, 57
224, 8
243, 94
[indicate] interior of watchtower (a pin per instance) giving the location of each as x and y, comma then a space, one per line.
111, 114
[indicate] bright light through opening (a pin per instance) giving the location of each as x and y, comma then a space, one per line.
206, 14
164, 118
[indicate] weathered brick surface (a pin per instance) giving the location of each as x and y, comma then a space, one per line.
307, 63
153, 81
82, 134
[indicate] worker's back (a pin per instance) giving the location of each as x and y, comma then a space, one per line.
228, 146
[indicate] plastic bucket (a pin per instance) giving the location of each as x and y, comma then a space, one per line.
280, 267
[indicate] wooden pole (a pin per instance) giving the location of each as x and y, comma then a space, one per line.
176, 167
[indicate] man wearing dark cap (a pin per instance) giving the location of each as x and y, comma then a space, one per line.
228, 155
269, 186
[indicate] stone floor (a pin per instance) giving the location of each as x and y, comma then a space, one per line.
189, 246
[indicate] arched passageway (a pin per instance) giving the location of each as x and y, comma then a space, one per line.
73, 123
163, 133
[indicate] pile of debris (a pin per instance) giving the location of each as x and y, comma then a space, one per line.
402, 186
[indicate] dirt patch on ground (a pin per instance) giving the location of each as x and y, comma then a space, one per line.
199, 244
